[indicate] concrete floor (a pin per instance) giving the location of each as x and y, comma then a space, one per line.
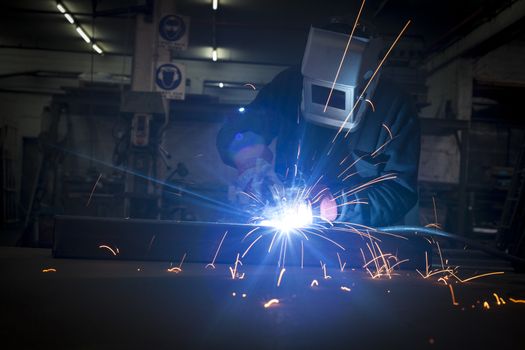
97, 304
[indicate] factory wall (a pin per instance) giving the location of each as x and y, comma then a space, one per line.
192, 142
44, 73
503, 65
481, 89
444, 84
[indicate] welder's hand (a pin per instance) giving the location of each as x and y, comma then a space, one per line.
256, 176
260, 181
323, 202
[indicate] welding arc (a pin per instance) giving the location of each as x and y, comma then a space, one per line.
420, 230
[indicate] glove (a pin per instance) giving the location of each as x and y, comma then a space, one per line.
260, 181
257, 183
323, 202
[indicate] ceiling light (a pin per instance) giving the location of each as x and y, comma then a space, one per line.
69, 18
215, 4
61, 8
97, 49
83, 35
214, 55
221, 85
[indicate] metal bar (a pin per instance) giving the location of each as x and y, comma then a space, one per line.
138, 239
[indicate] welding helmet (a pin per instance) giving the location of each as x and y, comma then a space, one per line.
322, 57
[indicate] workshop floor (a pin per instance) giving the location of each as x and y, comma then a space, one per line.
95, 304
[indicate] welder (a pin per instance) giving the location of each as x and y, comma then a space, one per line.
305, 112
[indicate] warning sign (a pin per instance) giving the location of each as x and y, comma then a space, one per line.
170, 80
173, 31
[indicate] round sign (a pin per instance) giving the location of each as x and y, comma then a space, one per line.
168, 76
172, 27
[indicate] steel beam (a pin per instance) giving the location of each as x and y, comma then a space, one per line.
82, 237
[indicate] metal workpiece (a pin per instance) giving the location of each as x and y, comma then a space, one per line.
205, 242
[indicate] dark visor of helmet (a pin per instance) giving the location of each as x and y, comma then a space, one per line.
320, 95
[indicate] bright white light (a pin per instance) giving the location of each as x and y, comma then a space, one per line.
97, 49
83, 35
214, 55
60, 8
221, 85
289, 217
242, 109
69, 18
215, 4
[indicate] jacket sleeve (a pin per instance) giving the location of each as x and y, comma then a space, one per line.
263, 117
388, 201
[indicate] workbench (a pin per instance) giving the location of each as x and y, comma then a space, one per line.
103, 304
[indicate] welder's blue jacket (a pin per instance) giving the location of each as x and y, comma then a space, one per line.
386, 141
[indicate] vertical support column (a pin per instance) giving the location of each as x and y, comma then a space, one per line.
464, 112
143, 159
147, 51
465, 82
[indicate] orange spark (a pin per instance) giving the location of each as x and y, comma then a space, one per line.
342, 266
302, 254
314, 283
346, 289
380, 148
250, 246
271, 302
440, 255
181, 261
454, 302
49, 270
390, 176
249, 233
344, 55
388, 130
177, 269
93, 190
280, 276
325, 275
436, 226
350, 166
370, 81
496, 296
234, 270
479, 276
486, 305
442, 279
212, 264
326, 238
517, 301
249, 195
109, 248
371, 104
273, 240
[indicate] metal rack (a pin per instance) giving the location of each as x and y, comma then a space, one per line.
8, 147
512, 227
